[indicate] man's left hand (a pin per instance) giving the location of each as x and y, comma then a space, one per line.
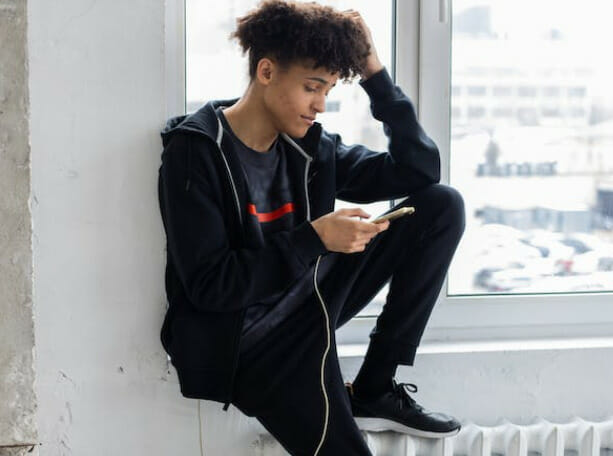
373, 64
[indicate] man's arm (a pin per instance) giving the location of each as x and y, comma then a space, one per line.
411, 162
218, 278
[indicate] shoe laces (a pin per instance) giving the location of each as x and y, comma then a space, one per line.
400, 390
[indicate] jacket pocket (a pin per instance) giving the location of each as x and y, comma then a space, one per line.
203, 341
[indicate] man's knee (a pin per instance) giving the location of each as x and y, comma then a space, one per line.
452, 202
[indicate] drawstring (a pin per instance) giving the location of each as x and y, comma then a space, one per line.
188, 170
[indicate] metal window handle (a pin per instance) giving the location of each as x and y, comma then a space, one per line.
443, 11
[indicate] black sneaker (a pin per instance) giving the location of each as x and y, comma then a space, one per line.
396, 410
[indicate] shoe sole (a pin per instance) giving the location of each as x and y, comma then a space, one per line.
383, 424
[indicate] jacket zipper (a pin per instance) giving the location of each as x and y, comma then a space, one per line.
218, 140
236, 341
323, 306
323, 359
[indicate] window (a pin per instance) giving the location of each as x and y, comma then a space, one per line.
550, 112
551, 91
502, 112
502, 91
536, 259
576, 92
476, 90
526, 91
476, 111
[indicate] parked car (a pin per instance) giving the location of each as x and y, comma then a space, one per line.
506, 279
549, 246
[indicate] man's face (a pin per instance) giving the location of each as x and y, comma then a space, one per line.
296, 95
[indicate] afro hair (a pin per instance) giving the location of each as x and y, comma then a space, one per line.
295, 32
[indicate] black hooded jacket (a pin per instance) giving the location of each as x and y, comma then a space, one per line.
218, 262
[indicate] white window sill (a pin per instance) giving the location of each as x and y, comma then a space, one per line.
359, 350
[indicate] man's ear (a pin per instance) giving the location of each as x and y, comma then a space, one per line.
264, 71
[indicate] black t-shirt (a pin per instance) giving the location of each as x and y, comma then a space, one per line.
271, 198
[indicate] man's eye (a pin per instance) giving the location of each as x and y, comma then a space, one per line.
309, 89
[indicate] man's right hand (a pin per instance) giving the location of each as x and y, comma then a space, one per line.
341, 233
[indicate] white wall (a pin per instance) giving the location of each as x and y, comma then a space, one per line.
97, 96
97, 104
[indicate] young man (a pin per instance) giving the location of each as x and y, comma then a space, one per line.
260, 268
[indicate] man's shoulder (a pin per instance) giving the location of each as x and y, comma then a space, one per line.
194, 139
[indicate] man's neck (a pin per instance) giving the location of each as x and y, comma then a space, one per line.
251, 124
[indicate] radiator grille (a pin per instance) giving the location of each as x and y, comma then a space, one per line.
540, 438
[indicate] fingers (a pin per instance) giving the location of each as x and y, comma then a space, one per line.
366, 233
355, 211
352, 211
363, 237
352, 13
363, 241
372, 228
357, 18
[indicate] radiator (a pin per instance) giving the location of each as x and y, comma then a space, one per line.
540, 438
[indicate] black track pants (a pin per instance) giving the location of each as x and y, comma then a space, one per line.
279, 374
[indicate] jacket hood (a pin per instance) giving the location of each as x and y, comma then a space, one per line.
205, 121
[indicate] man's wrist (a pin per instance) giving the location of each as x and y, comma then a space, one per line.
380, 87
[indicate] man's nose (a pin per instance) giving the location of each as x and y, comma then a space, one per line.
320, 104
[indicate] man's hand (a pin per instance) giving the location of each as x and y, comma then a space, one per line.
341, 233
373, 64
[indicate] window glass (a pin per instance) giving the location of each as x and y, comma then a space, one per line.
532, 152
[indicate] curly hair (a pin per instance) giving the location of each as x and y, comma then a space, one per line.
294, 32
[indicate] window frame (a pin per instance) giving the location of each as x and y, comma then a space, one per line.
421, 66
174, 56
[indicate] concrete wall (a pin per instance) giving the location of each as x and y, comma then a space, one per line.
97, 104
97, 98
17, 399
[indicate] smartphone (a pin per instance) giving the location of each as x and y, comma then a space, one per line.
395, 214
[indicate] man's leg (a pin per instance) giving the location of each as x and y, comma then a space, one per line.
278, 382
278, 377
414, 253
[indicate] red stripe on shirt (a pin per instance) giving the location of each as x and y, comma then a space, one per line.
270, 216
